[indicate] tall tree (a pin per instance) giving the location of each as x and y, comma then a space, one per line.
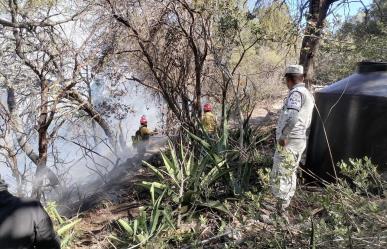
42, 74
315, 22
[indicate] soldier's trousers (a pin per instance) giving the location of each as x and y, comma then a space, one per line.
283, 177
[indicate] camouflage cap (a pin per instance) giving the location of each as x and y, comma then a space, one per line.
294, 69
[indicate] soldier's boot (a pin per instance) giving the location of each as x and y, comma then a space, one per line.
268, 210
282, 212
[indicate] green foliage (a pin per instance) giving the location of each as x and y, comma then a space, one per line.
362, 37
274, 20
349, 214
65, 228
145, 227
239, 171
264, 176
187, 179
362, 173
227, 24
192, 175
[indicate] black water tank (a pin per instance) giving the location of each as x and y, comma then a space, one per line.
354, 114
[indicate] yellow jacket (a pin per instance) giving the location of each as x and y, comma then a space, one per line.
209, 122
145, 132
142, 134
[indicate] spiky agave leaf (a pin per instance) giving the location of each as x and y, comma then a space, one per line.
61, 231
171, 168
154, 169
126, 226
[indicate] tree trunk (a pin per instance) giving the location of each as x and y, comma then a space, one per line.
240, 115
16, 173
18, 128
95, 116
43, 139
42, 125
318, 10
40, 159
224, 102
12, 162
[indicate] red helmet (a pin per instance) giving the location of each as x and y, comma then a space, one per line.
143, 120
207, 107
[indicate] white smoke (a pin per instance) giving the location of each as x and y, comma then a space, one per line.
72, 166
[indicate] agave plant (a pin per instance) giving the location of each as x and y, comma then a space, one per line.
185, 177
221, 151
145, 227
65, 228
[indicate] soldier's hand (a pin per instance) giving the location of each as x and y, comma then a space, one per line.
283, 142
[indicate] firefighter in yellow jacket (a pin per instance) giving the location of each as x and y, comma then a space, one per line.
209, 120
141, 138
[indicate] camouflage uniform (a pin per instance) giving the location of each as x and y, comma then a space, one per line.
293, 124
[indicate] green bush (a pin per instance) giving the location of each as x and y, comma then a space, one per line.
363, 174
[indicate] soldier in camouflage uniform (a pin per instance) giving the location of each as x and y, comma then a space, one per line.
291, 135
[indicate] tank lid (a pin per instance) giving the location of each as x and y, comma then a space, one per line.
371, 66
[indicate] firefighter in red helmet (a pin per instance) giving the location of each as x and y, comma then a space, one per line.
144, 130
209, 120
141, 138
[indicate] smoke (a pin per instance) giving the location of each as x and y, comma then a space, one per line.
81, 155
98, 166
89, 192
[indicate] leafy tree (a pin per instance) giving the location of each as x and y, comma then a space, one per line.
315, 22
362, 37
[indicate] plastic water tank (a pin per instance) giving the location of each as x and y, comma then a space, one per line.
353, 113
